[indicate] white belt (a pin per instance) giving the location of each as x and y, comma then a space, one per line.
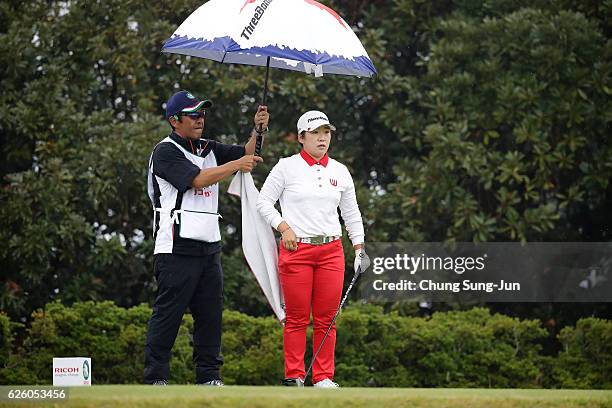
318, 240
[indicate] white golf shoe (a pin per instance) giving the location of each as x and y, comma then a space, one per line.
212, 383
326, 383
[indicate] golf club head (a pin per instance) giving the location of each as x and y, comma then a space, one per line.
293, 382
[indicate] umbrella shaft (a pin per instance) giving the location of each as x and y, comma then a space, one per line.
265, 92
259, 138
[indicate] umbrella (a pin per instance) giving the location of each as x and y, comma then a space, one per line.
298, 35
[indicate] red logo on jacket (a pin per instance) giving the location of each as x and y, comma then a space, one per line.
202, 191
333, 182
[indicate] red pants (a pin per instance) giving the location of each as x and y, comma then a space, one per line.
312, 275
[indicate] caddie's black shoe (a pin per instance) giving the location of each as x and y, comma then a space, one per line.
159, 382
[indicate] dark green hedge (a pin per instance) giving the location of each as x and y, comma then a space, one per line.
453, 349
586, 359
6, 339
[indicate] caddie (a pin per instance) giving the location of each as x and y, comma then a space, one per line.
184, 171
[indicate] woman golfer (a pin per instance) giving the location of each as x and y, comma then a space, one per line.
310, 187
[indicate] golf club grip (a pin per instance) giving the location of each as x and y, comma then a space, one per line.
258, 140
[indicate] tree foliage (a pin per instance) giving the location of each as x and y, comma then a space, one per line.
512, 136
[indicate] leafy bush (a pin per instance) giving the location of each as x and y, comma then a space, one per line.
114, 338
6, 339
453, 349
252, 349
586, 358
471, 348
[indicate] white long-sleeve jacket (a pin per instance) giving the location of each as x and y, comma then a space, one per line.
310, 193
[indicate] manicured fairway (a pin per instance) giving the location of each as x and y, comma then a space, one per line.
179, 396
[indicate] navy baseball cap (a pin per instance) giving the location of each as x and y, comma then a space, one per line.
184, 101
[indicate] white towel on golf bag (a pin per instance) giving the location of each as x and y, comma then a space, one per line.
258, 242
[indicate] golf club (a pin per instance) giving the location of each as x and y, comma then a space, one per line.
358, 272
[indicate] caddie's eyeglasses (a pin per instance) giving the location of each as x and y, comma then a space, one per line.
194, 115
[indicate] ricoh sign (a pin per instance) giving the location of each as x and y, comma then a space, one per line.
64, 370
72, 371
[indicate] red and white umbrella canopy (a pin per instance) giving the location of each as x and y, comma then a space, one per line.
300, 35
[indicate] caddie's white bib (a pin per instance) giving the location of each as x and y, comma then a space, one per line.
195, 214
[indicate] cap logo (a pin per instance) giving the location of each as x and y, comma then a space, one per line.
189, 95
317, 118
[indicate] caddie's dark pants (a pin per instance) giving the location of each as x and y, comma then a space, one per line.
197, 282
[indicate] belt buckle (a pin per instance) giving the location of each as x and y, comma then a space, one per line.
318, 240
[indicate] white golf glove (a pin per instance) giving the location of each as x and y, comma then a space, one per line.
361, 260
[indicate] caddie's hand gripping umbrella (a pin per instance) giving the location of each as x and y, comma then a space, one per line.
299, 35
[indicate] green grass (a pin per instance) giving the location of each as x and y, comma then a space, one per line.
179, 396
